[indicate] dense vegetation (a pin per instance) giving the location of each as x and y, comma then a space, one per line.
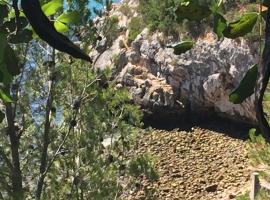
66, 129
161, 15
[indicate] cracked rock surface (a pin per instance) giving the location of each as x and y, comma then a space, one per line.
199, 80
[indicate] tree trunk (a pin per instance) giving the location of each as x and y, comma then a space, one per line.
262, 81
16, 175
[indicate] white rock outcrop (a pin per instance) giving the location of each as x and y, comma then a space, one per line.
199, 80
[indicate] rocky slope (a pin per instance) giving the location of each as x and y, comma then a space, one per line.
199, 164
199, 80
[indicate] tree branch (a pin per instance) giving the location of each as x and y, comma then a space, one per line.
46, 136
16, 175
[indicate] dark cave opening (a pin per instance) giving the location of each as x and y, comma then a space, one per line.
185, 121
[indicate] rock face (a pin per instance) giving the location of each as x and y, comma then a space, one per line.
199, 80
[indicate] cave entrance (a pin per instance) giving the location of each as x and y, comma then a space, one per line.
185, 122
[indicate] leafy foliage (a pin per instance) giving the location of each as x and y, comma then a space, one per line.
259, 150
73, 125
47, 32
220, 24
258, 155
135, 28
104, 114
192, 10
159, 14
143, 164
110, 29
52, 7
66, 18
182, 47
246, 86
242, 26
243, 197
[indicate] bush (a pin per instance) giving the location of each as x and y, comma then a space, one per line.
161, 15
110, 29
243, 197
259, 151
158, 14
143, 164
125, 9
135, 28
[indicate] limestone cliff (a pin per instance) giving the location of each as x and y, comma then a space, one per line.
199, 80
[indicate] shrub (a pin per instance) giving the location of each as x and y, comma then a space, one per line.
161, 15
158, 14
125, 9
110, 29
135, 28
143, 164
243, 197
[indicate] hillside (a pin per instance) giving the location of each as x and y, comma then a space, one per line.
208, 163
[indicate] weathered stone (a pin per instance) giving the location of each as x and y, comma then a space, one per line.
211, 188
199, 80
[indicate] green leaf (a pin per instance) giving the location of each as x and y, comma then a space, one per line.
215, 5
266, 96
11, 25
182, 47
253, 132
220, 24
4, 52
3, 12
264, 14
1, 76
192, 10
246, 86
12, 14
5, 97
69, 17
64, 19
60, 27
242, 26
11, 61
23, 36
7, 78
52, 7
2, 116
3, 44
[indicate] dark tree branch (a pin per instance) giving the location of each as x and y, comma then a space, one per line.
16, 175
46, 166
46, 136
19, 81
262, 82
